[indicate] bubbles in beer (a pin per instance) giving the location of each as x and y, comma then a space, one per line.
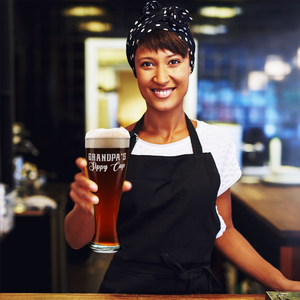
103, 133
107, 138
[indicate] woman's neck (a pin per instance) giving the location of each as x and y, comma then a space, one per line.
163, 127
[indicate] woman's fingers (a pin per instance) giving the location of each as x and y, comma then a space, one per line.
81, 203
82, 187
127, 186
82, 196
85, 183
81, 164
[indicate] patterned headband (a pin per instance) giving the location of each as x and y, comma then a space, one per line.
173, 19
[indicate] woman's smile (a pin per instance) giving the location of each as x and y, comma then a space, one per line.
163, 93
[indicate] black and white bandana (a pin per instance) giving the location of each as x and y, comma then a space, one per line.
173, 19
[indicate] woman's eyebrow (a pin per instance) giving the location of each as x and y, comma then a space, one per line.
168, 56
146, 57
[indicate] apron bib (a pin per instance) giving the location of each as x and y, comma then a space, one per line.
167, 224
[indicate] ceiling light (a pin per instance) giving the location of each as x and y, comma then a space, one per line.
276, 68
95, 26
220, 12
297, 58
209, 29
257, 81
83, 11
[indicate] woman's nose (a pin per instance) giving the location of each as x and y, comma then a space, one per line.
162, 75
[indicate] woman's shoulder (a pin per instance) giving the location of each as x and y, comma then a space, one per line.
215, 139
212, 132
220, 143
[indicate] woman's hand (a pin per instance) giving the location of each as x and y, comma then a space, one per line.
127, 186
82, 187
79, 223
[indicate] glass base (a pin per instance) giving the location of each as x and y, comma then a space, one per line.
103, 248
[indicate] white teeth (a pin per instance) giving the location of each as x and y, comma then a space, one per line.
163, 93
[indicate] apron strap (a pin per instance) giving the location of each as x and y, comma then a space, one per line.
196, 145
134, 133
197, 148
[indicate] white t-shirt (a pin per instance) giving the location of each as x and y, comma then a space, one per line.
213, 139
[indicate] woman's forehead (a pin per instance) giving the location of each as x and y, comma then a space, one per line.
141, 51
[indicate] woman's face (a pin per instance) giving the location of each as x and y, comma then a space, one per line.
163, 78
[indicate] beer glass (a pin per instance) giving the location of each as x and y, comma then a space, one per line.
107, 157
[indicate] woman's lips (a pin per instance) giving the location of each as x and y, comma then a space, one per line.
163, 93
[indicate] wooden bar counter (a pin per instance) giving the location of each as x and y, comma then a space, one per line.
9, 296
275, 211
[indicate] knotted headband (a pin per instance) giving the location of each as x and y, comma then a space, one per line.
173, 19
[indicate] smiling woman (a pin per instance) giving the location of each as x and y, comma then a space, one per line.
176, 204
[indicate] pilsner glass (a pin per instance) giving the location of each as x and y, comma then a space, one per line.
107, 157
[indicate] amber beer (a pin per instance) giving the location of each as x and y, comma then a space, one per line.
107, 158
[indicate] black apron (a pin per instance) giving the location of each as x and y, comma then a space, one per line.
167, 224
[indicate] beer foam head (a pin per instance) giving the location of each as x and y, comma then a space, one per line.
107, 138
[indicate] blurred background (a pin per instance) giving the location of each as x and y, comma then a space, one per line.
248, 70
64, 71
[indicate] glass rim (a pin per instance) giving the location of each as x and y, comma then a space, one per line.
108, 137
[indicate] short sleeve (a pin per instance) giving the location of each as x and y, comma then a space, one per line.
220, 144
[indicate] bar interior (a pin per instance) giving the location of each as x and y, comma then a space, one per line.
64, 72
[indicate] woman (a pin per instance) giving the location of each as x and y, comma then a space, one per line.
177, 204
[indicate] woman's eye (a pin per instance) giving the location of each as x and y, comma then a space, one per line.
146, 64
174, 61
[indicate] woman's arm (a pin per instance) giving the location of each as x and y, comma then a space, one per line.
237, 250
79, 223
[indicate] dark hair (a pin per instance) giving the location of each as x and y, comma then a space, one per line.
164, 40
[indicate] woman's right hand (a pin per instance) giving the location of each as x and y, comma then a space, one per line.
80, 223
82, 187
